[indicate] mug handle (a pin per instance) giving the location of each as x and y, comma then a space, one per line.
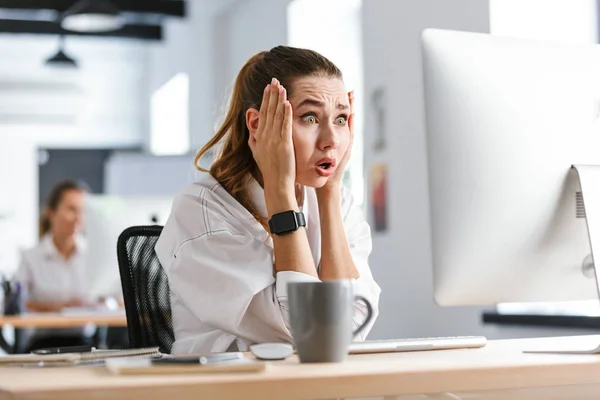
369, 316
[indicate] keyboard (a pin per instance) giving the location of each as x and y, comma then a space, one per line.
417, 344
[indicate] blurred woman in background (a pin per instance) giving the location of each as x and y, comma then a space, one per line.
52, 274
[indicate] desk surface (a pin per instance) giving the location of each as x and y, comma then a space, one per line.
57, 320
499, 365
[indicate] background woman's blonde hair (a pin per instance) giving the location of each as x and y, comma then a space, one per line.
234, 164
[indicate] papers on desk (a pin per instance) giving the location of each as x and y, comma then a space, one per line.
91, 311
146, 367
76, 358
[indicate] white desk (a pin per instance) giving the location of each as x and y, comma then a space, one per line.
498, 371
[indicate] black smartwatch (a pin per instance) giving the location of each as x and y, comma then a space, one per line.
286, 222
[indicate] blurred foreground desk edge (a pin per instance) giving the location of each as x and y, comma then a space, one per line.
499, 370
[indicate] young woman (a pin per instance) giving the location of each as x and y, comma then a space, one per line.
52, 273
271, 210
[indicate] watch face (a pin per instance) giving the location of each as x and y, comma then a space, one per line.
283, 223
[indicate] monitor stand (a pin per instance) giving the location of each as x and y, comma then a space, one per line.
589, 179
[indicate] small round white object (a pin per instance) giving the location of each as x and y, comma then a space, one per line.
272, 351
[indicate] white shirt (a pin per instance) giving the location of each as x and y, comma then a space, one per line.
219, 262
45, 274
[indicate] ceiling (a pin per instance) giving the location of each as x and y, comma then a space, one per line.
144, 17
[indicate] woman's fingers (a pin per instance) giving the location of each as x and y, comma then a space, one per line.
272, 107
351, 118
286, 129
279, 113
351, 141
262, 116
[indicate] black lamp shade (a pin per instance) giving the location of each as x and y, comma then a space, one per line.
60, 59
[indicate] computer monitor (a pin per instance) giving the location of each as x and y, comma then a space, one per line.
506, 119
105, 218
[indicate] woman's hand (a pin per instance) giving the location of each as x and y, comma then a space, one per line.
272, 145
335, 180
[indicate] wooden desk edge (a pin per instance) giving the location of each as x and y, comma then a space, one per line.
62, 321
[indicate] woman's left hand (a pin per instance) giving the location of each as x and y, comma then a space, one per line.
335, 180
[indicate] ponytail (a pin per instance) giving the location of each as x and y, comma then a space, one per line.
44, 223
234, 165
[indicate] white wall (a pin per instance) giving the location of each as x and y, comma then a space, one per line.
401, 260
310, 25
240, 31
211, 45
18, 198
98, 105
574, 21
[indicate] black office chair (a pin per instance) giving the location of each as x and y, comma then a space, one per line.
145, 289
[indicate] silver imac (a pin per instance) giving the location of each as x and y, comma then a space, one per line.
513, 148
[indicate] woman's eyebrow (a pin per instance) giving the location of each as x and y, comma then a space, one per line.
318, 103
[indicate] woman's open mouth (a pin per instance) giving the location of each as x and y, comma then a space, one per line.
325, 167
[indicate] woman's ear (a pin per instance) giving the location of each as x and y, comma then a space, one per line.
252, 116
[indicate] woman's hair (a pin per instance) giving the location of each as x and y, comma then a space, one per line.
53, 201
235, 161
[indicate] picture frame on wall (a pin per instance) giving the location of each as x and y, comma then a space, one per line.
379, 209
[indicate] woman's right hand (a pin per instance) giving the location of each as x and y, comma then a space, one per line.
272, 145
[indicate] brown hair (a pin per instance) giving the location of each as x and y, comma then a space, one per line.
53, 201
235, 161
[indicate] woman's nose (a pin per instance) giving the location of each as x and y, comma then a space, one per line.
330, 140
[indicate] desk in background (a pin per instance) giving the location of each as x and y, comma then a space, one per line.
499, 371
58, 320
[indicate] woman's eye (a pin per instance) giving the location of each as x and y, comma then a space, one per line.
310, 119
341, 121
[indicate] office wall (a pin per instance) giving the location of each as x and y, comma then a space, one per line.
186, 48
18, 197
211, 45
401, 258
311, 26
250, 26
97, 105
556, 20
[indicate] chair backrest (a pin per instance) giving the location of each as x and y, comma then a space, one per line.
145, 289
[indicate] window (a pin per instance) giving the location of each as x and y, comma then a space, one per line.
169, 118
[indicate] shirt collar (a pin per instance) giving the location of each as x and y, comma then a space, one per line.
257, 197
51, 251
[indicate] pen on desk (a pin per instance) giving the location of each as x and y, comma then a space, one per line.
220, 357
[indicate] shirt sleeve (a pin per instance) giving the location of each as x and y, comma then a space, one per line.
358, 235
226, 281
